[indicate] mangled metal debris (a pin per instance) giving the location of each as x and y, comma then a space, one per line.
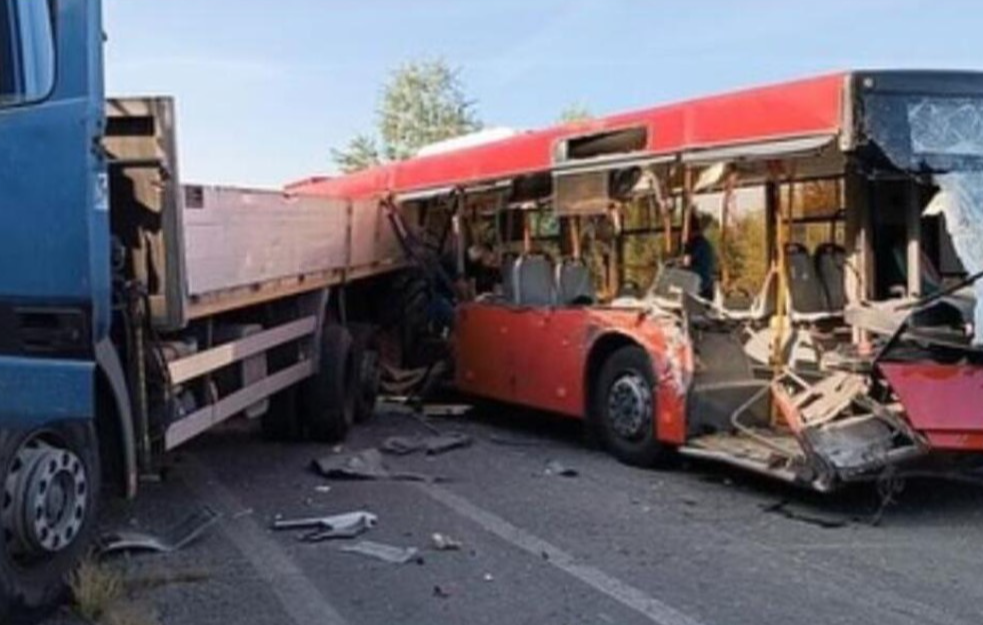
364, 465
380, 551
176, 538
348, 525
430, 445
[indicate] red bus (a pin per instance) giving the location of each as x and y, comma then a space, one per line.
830, 337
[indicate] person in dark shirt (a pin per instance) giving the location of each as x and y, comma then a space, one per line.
699, 255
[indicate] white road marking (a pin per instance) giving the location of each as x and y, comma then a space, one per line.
299, 596
629, 596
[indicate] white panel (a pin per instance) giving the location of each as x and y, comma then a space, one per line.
244, 237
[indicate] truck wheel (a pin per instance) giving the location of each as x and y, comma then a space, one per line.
366, 354
50, 481
624, 408
329, 395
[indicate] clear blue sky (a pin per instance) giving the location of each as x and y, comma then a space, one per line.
265, 88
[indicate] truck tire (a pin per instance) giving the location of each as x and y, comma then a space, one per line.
367, 363
329, 395
51, 483
407, 315
624, 408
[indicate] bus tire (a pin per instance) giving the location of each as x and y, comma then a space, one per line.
367, 363
624, 408
51, 483
329, 395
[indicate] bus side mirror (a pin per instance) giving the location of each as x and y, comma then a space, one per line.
27, 51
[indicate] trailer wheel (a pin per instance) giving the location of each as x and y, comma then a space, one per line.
365, 346
624, 405
329, 395
50, 480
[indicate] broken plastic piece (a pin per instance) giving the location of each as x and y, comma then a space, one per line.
347, 525
364, 465
380, 551
176, 538
555, 467
432, 445
442, 542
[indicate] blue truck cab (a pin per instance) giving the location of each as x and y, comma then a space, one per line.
55, 290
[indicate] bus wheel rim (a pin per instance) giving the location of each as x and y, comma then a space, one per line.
630, 406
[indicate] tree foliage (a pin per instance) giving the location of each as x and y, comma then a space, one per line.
361, 152
575, 113
423, 102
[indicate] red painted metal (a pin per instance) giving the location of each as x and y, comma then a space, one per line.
944, 402
538, 357
793, 109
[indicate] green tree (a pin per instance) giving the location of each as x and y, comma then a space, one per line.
361, 152
575, 113
423, 102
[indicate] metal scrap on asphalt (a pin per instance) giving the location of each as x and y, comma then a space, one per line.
431, 445
380, 551
348, 525
177, 537
364, 465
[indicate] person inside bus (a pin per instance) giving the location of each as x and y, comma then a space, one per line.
699, 255
482, 267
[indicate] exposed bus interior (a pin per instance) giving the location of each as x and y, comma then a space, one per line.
821, 261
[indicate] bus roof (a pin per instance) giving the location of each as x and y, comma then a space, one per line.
801, 108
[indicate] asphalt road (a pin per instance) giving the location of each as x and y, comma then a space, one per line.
694, 545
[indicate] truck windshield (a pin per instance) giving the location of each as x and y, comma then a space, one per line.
27, 59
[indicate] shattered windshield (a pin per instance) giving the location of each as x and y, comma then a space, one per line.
927, 134
942, 136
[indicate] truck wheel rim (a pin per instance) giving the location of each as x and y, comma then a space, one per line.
46, 496
630, 406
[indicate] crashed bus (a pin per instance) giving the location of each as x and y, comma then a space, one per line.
838, 343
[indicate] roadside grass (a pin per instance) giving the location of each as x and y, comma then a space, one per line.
104, 595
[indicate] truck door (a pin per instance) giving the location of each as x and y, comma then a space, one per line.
54, 270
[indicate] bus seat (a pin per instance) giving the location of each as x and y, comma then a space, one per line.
574, 284
672, 284
509, 268
762, 306
807, 297
831, 267
534, 281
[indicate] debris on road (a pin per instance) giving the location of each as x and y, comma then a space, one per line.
787, 510
364, 465
348, 525
442, 542
511, 441
174, 539
380, 551
555, 467
431, 445
446, 410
